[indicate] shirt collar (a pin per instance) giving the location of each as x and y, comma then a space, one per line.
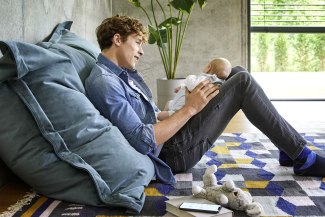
109, 64
112, 66
130, 70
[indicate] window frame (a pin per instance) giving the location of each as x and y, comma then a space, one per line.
277, 29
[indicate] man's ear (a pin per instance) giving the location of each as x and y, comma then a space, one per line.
117, 39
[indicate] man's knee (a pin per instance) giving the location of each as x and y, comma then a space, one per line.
236, 70
243, 75
243, 78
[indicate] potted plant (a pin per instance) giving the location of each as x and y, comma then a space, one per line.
168, 35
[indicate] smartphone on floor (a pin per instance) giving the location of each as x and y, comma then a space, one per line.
200, 207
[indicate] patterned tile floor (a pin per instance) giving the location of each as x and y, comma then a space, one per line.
250, 160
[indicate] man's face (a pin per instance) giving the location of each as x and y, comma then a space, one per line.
130, 51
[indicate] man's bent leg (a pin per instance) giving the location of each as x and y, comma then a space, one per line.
187, 147
189, 144
260, 111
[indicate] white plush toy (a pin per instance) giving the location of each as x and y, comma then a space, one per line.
227, 195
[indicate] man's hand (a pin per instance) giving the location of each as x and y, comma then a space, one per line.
200, 96
194, 103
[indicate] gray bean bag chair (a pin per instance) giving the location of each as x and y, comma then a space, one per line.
53, 138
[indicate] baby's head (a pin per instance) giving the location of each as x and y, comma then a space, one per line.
221, 67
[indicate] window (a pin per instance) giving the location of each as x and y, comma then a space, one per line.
287, 48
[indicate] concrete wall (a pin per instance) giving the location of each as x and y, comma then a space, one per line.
219, 30
33, 20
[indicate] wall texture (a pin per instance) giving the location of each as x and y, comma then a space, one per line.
33, 20
219, 30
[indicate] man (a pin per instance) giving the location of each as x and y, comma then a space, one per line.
178, 142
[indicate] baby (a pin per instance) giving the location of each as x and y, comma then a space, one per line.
216, 71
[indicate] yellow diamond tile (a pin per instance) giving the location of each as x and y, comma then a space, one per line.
228, 166
149, 191
243, 160
233, 144
220, 150
313, 148
256, 184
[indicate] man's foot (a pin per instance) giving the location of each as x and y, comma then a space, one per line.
308, 163
285, 160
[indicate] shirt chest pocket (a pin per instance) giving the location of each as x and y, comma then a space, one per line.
137, 104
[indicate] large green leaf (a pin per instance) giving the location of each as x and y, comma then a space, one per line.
154, 36
171, 20
151, 39
136, 3
183, 5
202, 3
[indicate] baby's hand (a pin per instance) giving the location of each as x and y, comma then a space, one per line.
177, 89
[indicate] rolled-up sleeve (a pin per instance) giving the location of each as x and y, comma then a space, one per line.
110, 96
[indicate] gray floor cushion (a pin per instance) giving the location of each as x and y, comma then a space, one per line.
53, 137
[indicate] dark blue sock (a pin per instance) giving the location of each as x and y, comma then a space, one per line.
308, 163
285, 160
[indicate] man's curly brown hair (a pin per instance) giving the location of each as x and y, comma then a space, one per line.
122, 25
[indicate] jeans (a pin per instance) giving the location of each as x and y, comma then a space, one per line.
240, 91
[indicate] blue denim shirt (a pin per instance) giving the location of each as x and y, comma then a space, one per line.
109, 90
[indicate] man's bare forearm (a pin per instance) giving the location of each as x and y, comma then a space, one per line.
167, 128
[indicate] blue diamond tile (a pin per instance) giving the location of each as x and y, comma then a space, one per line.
322, 186
265, 174
214, 162
308, 138
251, 154
210, 154
220, 174
237, 134
240, 139
160, 205
164, 189
258, 163
286, 206
274, 189
245, 146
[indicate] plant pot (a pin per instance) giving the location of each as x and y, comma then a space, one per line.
166, 90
